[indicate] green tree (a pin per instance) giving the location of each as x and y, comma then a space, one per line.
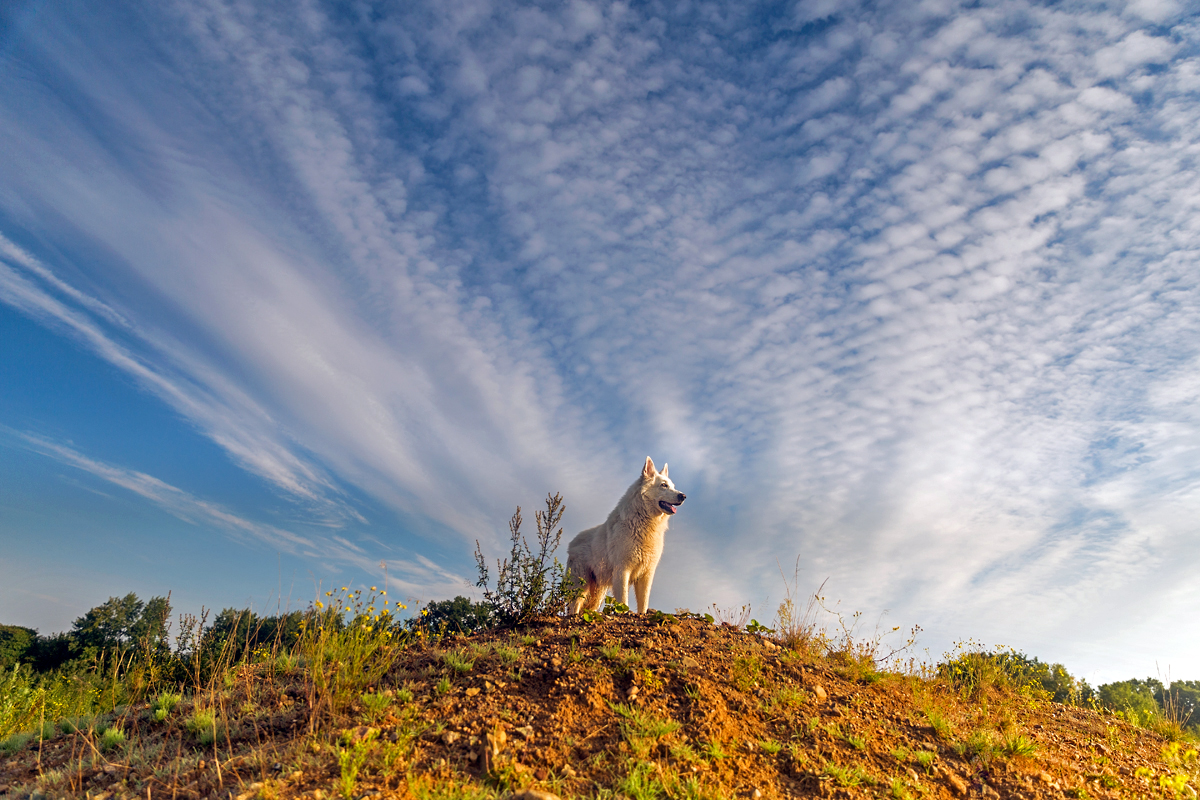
459, 615
1182, 702
16, 645
1133, 697
122, 622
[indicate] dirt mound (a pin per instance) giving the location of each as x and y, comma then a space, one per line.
643, 706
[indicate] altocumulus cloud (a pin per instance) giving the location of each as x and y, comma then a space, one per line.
906, 290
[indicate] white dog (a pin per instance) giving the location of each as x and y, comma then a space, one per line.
626, 548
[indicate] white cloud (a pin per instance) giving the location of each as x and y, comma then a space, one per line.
883, 290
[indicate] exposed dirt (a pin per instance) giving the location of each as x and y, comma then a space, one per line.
570, 707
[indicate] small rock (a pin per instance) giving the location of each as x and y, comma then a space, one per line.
1045, 777
958, 783
632, 693
687, 662
556, 662
526, 731
112, 769
534, 794
912, 774
990, 793
487, 685
757, 793
450, 737
318, 794
820, 693
570, 773
541, 773
296, 776
472, 691
501, 684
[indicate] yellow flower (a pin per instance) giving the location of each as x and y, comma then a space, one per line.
373, 589
320, 604
329, 594
383, 593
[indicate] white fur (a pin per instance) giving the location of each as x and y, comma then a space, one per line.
627, 547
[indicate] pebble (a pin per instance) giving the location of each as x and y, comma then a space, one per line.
687, 662
912, 774
450, 737
526, 731
474, 690
958, 783
820, 693
534, 794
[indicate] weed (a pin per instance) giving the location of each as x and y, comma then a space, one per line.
14, 743
111, 739
938, 721
642, 730
442, 687
926, 759
1017, 745
404, 696
980, 743
351, 758
899, 789
164, 704
848, 776
770, 746
746, 672
529, 584
641, 784
429, 788
856, 741
458, 662
203, 725
713, 751
376, 705
901, 754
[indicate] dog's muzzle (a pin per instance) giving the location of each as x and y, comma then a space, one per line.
669, 508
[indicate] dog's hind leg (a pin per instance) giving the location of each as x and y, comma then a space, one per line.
595, 596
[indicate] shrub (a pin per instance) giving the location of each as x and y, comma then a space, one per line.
529, 584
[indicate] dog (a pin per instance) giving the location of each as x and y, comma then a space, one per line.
627, 547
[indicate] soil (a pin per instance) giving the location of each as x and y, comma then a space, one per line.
558, 706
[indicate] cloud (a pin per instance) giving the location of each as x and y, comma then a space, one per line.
906, 290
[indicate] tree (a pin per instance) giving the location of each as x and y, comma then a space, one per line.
122, 622
1133, 697
1182, 702
459, 615
16, 644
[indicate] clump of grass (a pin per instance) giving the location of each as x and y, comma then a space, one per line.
376, 705
641, 783
641, 729
746, 672
458, 661
856, 741
1017, 745
848, 776
443, 686
938, 721
203, 725
980, 743
164, 704
926, 759
111, 739
351, 757
14, 743
770, 746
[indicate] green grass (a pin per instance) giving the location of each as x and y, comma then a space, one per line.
112, 739
641, 729
1017, 745
848, 776
458, 661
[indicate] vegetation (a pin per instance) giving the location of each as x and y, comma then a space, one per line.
348, 698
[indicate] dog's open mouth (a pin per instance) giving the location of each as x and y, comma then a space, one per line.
666, 507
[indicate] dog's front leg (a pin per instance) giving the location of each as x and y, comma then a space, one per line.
641, 588
620, 587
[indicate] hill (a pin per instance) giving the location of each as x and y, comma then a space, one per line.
638, 706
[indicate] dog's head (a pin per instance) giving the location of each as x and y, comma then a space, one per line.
658, 489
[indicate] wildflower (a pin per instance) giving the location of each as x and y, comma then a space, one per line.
320, 604
373, 589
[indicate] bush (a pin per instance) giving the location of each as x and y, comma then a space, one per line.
459, 615
528, 586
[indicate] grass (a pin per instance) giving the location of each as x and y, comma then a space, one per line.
112, 739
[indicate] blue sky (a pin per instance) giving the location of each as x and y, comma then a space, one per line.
907, 292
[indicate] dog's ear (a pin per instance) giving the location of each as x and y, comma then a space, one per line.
664, 469
648, 469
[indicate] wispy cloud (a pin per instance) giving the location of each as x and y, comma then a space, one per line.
908, 290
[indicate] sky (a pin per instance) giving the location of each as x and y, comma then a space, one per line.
302, 295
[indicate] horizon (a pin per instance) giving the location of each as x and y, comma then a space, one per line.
906, 297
